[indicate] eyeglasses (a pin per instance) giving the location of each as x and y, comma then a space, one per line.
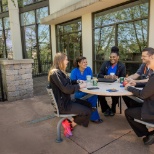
113, 57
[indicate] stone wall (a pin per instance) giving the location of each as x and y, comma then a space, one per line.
17, 79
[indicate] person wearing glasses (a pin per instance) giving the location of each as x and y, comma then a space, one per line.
142, 75
146, 112
108, 68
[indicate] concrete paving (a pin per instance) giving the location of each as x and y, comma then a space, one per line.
29, 127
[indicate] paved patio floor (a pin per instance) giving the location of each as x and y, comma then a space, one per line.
28, 127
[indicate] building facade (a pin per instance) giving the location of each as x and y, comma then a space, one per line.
77, 27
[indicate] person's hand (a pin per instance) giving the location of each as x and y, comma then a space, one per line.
132, 83
106, 76
80, 81
83, 85
128, 79
114, 76
127, 85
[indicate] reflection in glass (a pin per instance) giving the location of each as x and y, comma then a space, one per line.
132, 38
8, 44
28, 18
4, 5
30, 41
126, 27
27, 2
104, 39
105, 18
5, 39
37, 39
69, 40
44, 47
41, 13
6, 23
1, 27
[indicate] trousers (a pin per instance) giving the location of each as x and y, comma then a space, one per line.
93, 101
104, 104
138, 128
83, 112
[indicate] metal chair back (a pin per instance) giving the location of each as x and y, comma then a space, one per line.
53, 101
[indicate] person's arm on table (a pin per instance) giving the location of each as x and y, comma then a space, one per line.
145, 92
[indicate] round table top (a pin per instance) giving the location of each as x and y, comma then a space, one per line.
104, 87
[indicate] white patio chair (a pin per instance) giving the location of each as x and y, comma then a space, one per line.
57, 114
148, 125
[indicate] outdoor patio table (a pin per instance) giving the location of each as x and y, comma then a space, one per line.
107, 89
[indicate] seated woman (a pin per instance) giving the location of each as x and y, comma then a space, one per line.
62, 88
146, 112
80, 73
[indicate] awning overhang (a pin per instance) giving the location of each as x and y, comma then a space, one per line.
78, 9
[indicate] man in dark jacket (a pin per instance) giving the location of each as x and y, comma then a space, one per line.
113, 66
143, 73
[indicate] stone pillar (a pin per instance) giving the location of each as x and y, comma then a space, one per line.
17, 79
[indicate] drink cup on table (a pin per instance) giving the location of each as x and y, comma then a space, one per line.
121, 79
88, 77
95, 80
112, 74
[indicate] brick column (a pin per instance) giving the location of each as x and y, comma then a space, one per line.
17, 78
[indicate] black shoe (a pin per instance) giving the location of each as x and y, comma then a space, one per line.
112, 113
107, 112
98, 121
148, 140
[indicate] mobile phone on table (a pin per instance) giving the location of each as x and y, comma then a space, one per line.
92, 88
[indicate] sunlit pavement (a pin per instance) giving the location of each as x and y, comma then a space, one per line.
29, 127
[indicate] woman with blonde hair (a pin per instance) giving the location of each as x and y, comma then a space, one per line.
62, 88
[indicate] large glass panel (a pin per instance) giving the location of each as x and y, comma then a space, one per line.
104, 40
5, 39
1, 26
2, 45
8, 44
30, 42
105, 18
69, 40
0, 6
44, 47
37, 39
41, 13
28, 18
27, 2
124, 26
132, 38
6, 23
5, 5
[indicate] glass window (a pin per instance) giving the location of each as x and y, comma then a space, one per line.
41, 13
36, 42
28, 2
28, 18
69, 40
125, 27
6, 23
1, 27
5, 39
4, 5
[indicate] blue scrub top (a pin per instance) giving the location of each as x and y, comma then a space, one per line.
77, 75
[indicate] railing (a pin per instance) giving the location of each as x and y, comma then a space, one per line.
40, 69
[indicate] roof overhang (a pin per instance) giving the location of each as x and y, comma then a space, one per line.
78, 9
